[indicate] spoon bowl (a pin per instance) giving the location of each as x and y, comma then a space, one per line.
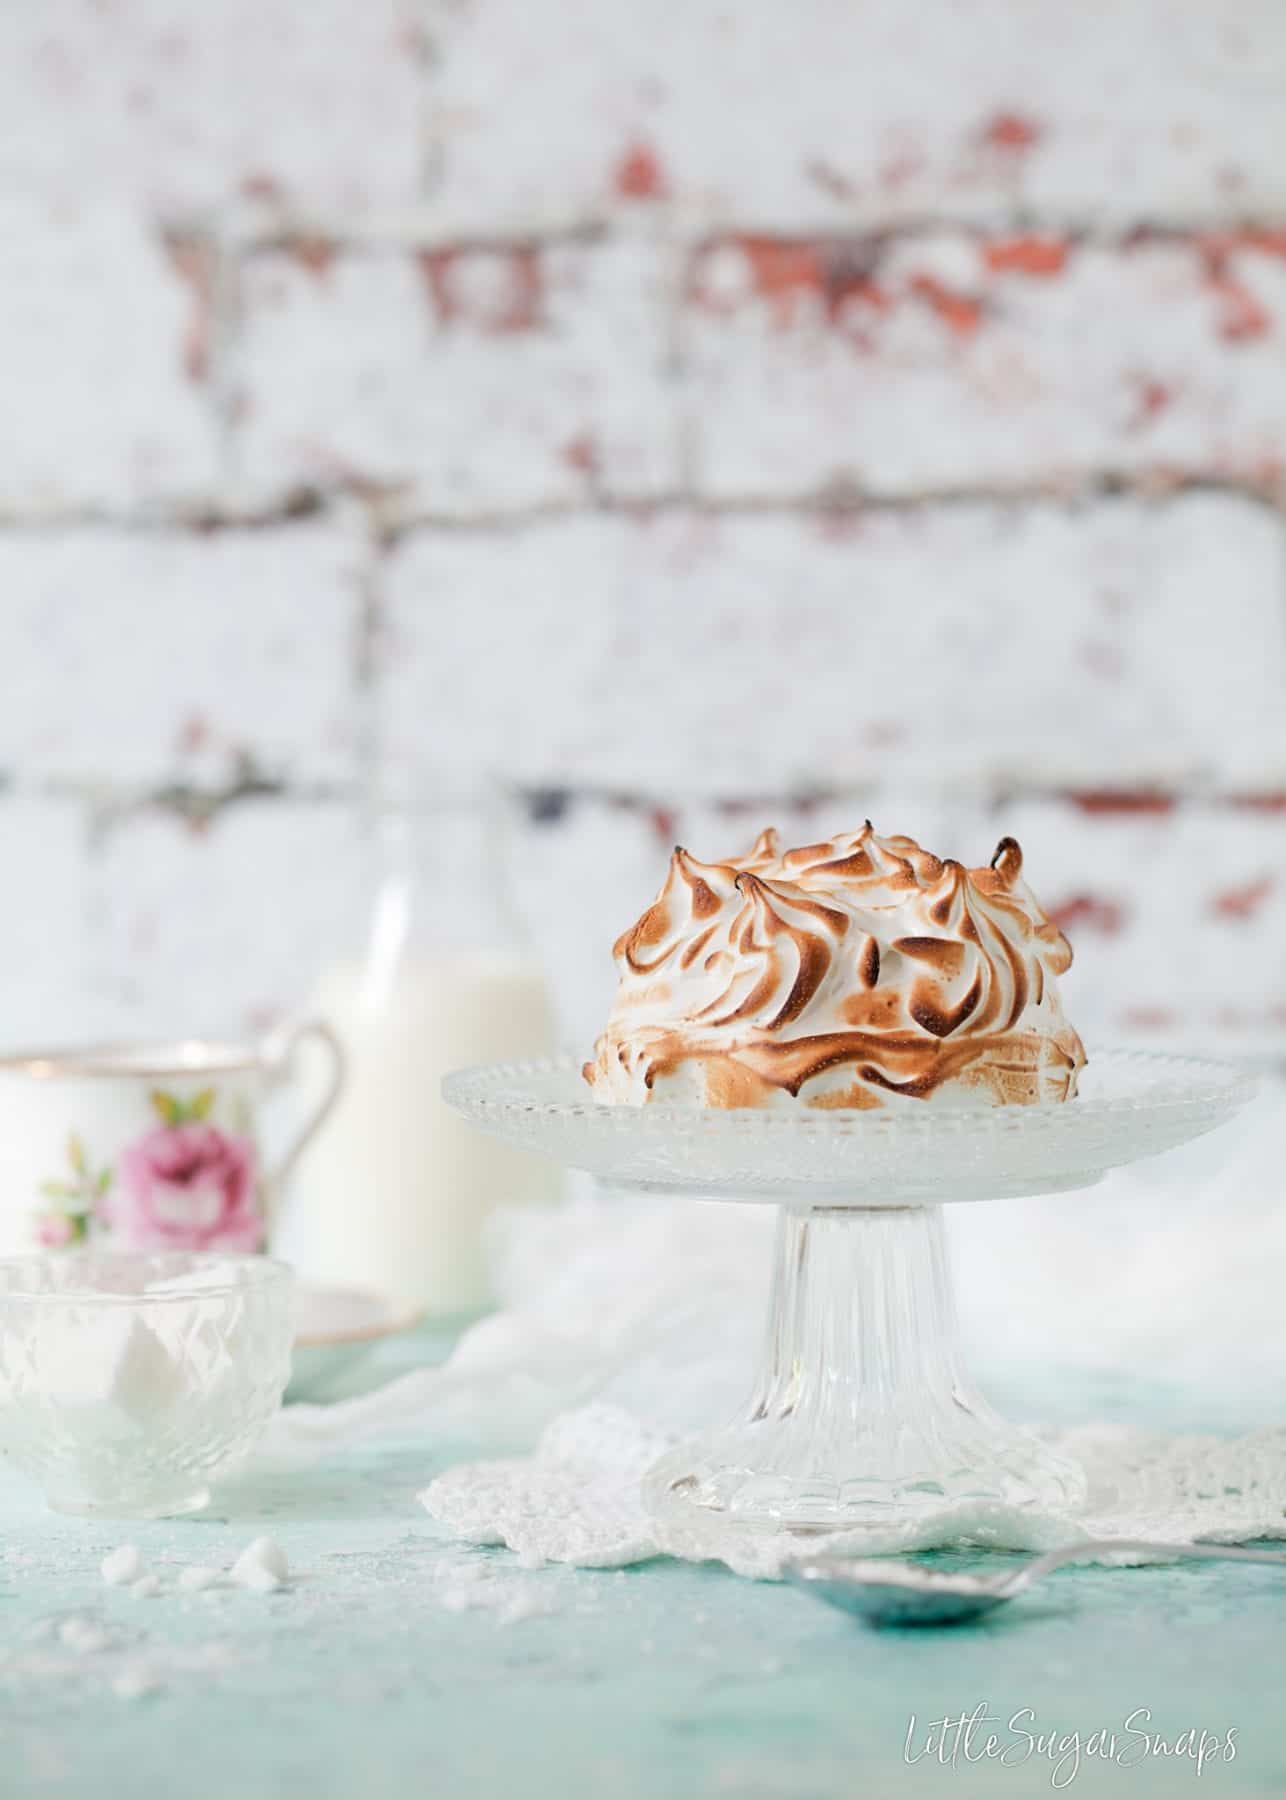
885, 1593
898, 1593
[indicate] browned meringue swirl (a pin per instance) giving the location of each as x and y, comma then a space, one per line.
850, 973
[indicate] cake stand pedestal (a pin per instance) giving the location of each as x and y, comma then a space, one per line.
862, 1414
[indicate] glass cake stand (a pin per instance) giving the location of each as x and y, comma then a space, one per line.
862, 1414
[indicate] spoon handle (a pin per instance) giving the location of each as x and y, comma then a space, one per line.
1054, 1559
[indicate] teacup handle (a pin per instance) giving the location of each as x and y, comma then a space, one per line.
277, 1055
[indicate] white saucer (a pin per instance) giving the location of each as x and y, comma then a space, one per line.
334, 1329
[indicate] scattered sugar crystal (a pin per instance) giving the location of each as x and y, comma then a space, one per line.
525, 1604
467, 1584
83, 1636
262, 1580
262, 1565
197, 1577
134, 1683
146, 1587
122, 1565
268, 1553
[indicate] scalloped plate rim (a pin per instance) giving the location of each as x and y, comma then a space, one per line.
1225, 1085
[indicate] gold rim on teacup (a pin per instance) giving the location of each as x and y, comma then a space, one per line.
189, 1056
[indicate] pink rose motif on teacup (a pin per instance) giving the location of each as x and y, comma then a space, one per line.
186, 1185
55, 1231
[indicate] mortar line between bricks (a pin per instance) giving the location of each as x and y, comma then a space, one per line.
1073, 229
424, 18
110, 805
1156, 489
197, 515
392, 518
365, 675
411, 232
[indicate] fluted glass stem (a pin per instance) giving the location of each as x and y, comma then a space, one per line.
862, 1413
860, 1321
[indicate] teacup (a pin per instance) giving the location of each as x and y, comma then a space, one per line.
138, 1147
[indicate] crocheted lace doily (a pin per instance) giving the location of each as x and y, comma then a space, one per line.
577, 1499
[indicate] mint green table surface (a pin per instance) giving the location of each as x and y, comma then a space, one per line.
358, 1683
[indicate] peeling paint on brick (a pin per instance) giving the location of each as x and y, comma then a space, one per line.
1241, 314
1028, 255
316, 254
1152, 399
498, 291
639, 174
1271, 801
1014, 132
793, 276
581, 453
960, 313
194, 263
1245, 900
1151, 1018
1090, 912
1104, 802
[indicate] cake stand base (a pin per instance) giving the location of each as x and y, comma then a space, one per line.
863, 1416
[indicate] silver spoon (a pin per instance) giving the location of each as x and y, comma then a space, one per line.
898, 1593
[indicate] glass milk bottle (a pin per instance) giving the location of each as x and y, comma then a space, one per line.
397, 1190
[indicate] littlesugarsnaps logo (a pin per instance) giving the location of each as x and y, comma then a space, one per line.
981, 1736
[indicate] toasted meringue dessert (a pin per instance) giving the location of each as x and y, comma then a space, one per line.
862, 972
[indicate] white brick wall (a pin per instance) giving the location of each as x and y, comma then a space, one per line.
104, 362
465, 382
139, 655
826, 111
945, 361
181, 107
45, 913
220, 930
958, 645
673, 410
